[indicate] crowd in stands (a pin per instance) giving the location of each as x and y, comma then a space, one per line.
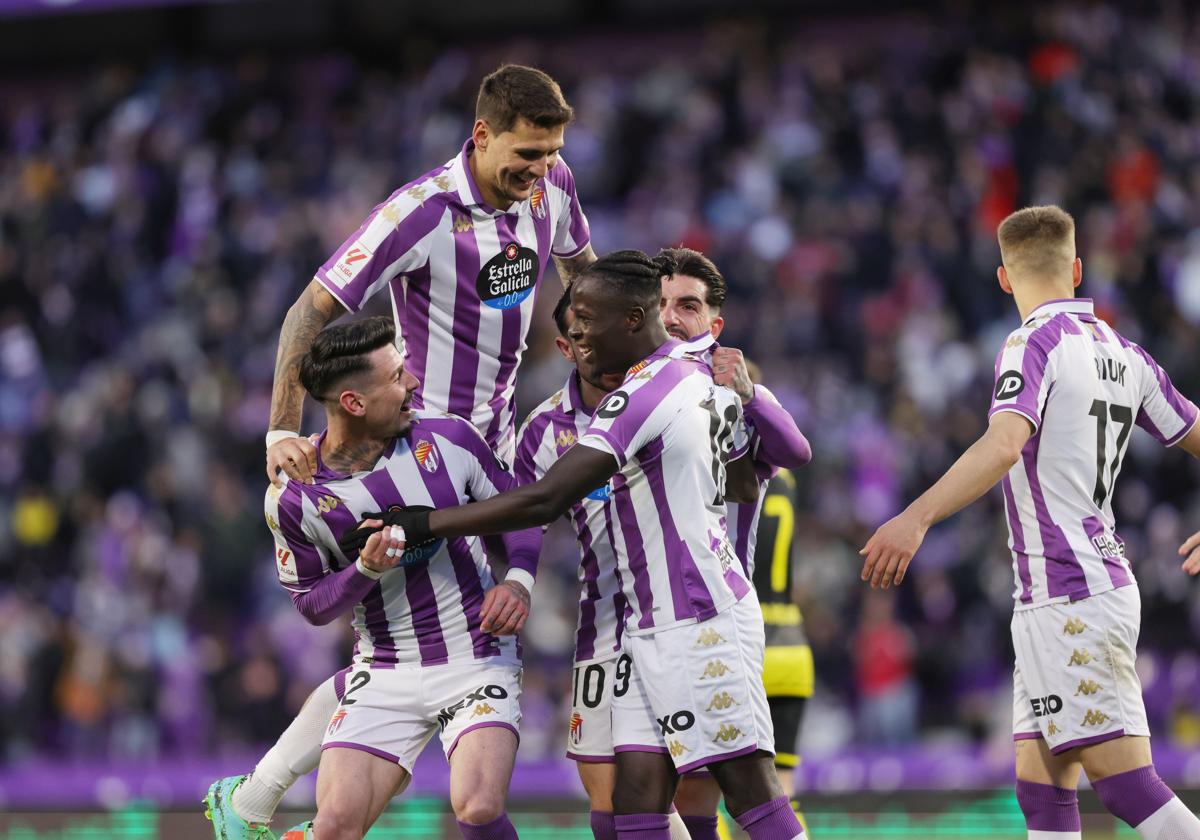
157, 219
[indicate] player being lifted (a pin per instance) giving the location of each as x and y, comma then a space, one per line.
1069, 389
422, 662
461, 250
672, 442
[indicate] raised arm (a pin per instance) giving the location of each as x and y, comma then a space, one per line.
891, 548
311, 312
1190, 550
570, 267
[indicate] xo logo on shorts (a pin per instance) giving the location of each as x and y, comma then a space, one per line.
678, 722
480, 695
1049, 705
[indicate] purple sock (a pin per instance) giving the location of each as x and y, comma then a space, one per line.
643, 827
774, 820
1048, 808
604, 827
1134, 795
701, 828
498, 829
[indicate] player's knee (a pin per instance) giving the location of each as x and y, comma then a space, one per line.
334, 823
478, 807
747, 783
642, 790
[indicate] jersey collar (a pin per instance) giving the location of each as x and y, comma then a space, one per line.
1072, 306
468, 190
696, 345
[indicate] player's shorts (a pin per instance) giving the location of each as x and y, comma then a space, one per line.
1075, 683
593, 685
392, 713
696, 692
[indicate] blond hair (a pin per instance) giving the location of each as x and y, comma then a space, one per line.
1037, 242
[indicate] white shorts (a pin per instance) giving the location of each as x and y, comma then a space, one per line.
593, 685
696, 691
393, 712
1075, 683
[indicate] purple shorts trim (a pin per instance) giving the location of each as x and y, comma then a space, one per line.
591, 759
1087, 742
346, 745
713, 759
700, 773
483, 725
339, 682
621, 748
1027, 736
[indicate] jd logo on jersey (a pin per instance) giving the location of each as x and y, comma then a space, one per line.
507, 278
1009, 384
614, 405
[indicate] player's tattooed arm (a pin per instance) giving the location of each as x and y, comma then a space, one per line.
308, 316
571, 267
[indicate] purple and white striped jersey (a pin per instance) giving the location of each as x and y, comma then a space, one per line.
1083, 386
672, 430
549, 431
463, 279
426, 610
743, 517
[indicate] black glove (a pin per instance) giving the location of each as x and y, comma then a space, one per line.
413, 519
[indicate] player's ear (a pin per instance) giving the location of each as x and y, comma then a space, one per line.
718, 324
1002, 276
635, 318
481, 134
564, 347
1077, 272
352, 403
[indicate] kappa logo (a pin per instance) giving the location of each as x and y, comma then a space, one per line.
728, 732
482, 709
1074, 627
1095, 718
722, 700
390, 215
442, 183
537, 203
708, 637
678, 722
417, 194
479, 695
715, 668
676, 749
327, 503
554, 401
1052, 729
336, 721
576, 727
566, 439
271, 523
462, 224
1079, 657
1087, 688
427, 456
1009, 384
1014, 341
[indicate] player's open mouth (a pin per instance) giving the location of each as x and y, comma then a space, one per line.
583, 352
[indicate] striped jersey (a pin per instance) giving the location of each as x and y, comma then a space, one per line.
549, 431
744, 517
463, 279
672, 431
1082, 386
427, 609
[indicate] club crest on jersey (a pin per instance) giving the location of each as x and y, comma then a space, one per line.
427, 456
537, 203
508, 278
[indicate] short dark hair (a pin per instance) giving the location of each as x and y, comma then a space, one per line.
516, 92
341, 351
694, 264
560, 311
631, 276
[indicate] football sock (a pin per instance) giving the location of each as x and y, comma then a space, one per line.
772, 820
500, 828
643, 826
1142, 799
1051, 813
701, 828
604, 827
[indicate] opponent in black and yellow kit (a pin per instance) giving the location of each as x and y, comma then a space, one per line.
788, 667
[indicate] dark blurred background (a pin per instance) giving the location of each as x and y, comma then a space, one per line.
171, 174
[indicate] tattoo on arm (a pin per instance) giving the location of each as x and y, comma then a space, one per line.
308, 316
571, 267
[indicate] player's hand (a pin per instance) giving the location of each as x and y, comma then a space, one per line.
295, 456
383, 548
505, 608
413, 520
890, 550
1190, 550
729, 369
